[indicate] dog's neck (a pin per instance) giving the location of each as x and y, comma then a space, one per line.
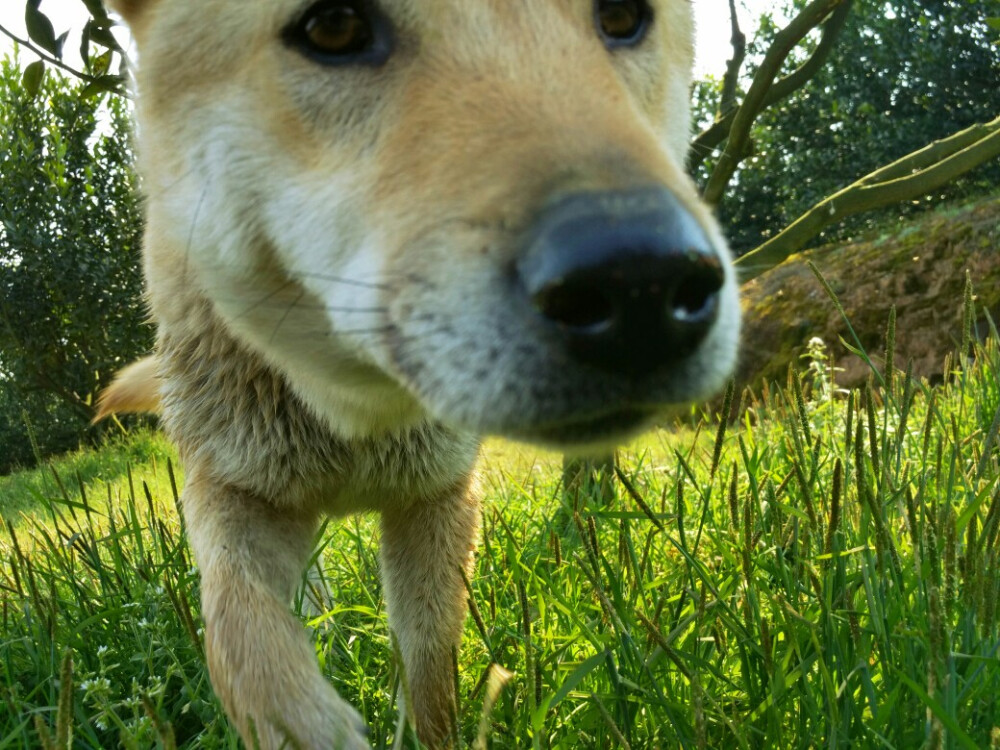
234, 416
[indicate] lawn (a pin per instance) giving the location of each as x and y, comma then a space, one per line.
822, 573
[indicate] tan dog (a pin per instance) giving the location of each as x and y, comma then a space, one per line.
376, 230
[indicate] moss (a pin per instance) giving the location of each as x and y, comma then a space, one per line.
919, 267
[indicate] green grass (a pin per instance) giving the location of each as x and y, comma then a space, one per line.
825, 573
26, 493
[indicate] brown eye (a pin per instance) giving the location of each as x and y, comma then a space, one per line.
339, 32
340, 29
623, 22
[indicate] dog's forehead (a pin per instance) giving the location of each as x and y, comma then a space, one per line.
196, 53
186, 21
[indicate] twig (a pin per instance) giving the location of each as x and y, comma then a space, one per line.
52, 60
733, 66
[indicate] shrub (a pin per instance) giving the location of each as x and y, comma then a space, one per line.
71, 309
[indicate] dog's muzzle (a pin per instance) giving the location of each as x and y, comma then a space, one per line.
624, 281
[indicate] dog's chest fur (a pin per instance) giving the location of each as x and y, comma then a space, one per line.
236, 417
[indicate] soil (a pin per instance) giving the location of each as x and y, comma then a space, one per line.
919, 267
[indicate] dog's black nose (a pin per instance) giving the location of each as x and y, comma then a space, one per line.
627, 280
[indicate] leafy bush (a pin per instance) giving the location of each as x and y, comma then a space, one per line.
71, 311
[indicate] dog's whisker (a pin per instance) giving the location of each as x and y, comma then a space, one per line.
258, 303
383, 285
168, 188
284, 317
353, 310
333, 279
192, 230
361, 331
389, 281
272, 303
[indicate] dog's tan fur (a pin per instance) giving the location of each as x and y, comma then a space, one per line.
321, 257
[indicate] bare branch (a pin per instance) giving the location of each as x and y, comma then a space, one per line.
755, 101
707, 141
733, 66
931, 154
914, 175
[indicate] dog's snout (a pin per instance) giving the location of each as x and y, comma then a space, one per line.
627, 280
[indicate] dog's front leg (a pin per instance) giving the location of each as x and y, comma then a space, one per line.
425, 548
251, 554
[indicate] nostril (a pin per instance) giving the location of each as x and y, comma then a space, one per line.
582, 308
696, 296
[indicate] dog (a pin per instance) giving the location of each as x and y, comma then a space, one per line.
378, 230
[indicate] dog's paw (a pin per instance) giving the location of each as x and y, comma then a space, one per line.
341, 728
352, 732
327, 724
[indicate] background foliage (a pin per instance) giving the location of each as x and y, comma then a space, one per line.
902, 74
71, 309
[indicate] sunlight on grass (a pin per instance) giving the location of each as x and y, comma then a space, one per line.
102, 475
824, 572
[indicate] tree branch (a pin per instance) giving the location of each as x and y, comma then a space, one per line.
915, 174
732, 78
760, 95
707, 141
50, 59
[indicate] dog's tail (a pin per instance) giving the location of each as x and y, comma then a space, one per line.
134, 389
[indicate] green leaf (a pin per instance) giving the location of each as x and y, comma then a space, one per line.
101, 64
97, 9
40, 28
109, 83
32, 78
101, 34
993, 23
585, 668
974, 506
85, 42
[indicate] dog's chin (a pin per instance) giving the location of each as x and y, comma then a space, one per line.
589, 434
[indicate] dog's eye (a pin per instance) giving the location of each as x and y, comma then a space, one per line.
340, 32
623, 23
